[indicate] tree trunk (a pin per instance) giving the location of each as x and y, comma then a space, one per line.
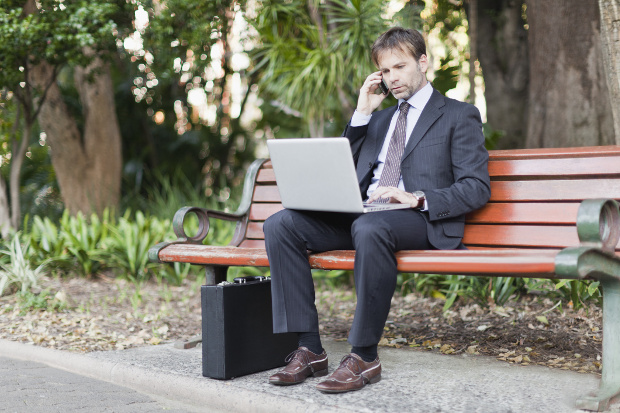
5, 217
472, 23
502, 51
610, 39
88, 167
10, 202
17, 160
102, 135
569, 102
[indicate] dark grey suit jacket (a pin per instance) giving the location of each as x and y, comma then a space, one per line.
445, 157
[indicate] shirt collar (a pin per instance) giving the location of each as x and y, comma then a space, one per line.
420, 98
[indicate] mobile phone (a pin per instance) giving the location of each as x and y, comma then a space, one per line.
384, 87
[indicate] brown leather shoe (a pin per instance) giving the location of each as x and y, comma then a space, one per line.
302, 363
352, 374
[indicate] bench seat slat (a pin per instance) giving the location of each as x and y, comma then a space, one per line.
536, 263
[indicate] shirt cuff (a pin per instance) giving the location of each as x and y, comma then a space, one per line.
359, 119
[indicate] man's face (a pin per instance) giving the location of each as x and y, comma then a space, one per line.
402, 73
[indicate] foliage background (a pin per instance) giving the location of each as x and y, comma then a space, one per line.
198, 87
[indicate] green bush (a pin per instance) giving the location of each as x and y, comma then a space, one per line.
129, 242
83, 240
16, 272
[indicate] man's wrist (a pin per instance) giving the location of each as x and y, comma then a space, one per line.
419, 197
359, 119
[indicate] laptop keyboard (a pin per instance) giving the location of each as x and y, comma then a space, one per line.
379, 207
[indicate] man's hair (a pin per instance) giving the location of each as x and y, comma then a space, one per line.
406, 40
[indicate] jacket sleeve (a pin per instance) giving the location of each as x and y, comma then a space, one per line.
471, 188
356, 135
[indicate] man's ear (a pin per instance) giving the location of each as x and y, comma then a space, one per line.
423, 62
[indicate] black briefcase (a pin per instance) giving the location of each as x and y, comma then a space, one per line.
237, 330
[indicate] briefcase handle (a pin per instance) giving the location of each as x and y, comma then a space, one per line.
249, 279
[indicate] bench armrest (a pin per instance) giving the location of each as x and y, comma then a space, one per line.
598, 228
204, 215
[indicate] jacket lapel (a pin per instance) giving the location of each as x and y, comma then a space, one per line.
432, 111
383, 124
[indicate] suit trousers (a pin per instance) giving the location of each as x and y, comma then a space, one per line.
375, 236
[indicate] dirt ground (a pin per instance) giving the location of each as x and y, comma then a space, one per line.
85, 315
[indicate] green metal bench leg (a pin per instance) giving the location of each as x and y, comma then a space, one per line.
598, 228
610, 381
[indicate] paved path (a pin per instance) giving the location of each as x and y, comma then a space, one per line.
28, 387
413, 381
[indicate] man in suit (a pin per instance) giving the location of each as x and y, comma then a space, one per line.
428, 152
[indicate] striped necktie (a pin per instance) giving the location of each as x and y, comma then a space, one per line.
390, 176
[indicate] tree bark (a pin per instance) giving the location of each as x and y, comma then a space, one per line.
610, 39
88, 167
10, 210
17, 160
102, 135
502, 51
472, 23
5, 217
569, 102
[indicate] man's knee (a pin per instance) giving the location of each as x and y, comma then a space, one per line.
274, 225
368, 228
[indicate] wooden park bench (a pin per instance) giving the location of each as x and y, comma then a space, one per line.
553, 214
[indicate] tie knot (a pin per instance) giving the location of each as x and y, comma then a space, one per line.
404, 107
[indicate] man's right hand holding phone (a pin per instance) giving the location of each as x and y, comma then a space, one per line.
369, 99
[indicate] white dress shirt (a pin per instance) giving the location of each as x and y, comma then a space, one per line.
418, 101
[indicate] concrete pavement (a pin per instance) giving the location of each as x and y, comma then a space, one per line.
162, 377
28, 386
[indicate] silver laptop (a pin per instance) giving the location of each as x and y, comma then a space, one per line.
319, 175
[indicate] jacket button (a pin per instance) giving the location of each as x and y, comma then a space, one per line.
369, 164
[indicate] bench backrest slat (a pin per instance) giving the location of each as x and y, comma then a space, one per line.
557, 190
525, 213
523, 168
535, 195
266, 193
521, 236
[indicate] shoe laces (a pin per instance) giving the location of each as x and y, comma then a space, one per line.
299, 354
352, 364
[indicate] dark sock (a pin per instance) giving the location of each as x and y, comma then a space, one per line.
368, 353
311, 341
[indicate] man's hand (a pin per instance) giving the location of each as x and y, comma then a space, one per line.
369, 100
395, 196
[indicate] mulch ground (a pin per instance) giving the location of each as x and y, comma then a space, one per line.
85, 315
